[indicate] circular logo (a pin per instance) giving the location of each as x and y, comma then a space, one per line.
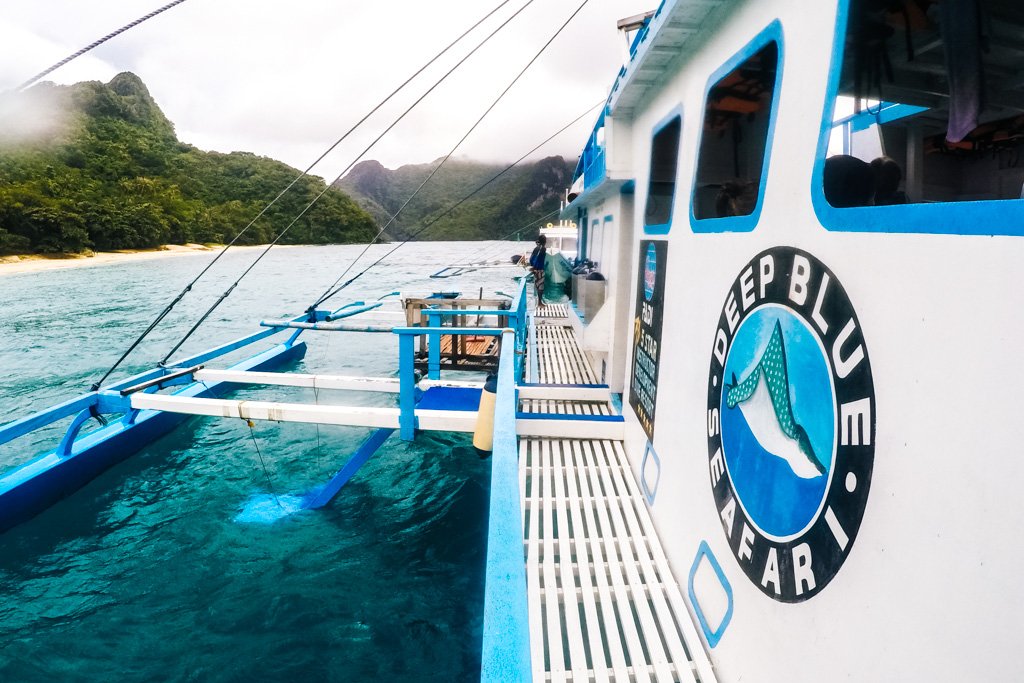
650, 271
791, 423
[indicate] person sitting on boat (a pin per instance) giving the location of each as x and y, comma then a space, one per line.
848, 182
888, 175
537, 262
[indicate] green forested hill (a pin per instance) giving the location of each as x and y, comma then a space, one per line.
524, 194
99, 166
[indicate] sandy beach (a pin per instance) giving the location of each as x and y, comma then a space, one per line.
12, 265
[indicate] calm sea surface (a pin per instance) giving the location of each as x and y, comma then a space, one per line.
145, 575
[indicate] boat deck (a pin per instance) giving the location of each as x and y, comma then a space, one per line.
603, 603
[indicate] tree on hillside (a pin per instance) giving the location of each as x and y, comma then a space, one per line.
113, 175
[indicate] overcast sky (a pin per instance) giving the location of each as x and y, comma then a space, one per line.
285, 79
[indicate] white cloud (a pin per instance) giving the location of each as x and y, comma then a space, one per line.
286, 79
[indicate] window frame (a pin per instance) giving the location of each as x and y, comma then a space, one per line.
773, 32
984, 217
662, 124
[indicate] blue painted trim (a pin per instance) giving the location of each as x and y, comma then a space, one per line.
991, 217
672, 115
64, 448
18, 428
462, 331
505, 652
325, 495
772, 33
713, 637
649, 492
519, 305
569, 417
886, 112
407, 387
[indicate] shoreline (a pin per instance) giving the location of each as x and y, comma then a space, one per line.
34, 263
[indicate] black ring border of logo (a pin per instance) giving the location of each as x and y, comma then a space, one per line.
818, 532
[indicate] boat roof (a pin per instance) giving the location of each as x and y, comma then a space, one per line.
673, 33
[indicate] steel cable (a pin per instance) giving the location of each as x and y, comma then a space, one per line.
335, 289
46, 72
163, 314
216, 304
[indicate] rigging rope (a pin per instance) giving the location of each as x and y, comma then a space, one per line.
174, 302
46, 72
335, 289
266, 472
328, 186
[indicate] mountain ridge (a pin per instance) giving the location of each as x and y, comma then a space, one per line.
519, 196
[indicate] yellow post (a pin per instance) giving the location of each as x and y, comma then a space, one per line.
483, 435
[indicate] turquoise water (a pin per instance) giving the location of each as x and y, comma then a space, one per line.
145, 575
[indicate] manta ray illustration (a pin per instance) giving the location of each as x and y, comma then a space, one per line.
763, 398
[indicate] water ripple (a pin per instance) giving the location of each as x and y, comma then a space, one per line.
145, 574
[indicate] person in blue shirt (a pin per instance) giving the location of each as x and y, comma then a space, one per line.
537, 260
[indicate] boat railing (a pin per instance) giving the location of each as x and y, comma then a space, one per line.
506, 631
107, 400
515, 316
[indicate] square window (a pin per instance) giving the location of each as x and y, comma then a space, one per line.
924, 124
661, 187
736, 136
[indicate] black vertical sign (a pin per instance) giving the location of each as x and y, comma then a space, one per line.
650, 299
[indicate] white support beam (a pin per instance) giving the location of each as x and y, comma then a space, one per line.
454, 383
266, 410
352, 416
566, 393
289, 379
446, 420
328, 327
598, 430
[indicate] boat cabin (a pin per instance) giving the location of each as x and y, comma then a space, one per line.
809, 217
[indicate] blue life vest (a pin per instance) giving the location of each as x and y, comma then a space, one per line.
537, 258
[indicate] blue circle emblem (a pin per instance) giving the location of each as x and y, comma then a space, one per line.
650, 272
778, 421
790, 423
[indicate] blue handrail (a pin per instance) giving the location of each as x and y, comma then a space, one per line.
407, 370
506, 627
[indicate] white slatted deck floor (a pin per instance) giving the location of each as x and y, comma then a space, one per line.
603, 603
551, 311
559, 358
